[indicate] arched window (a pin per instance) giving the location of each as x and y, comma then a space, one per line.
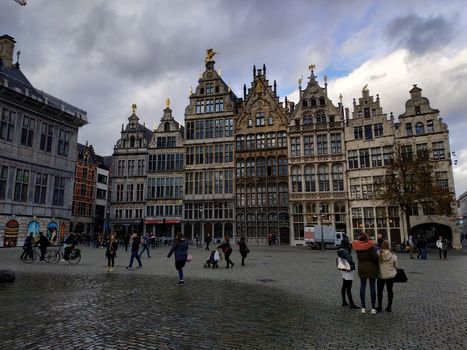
308, 119
310, 178
323, 178
241, 195
250, 167
132, 141
261, 166
337, 177
296, 179
240, 142
250, 142
305, 103
283, 194
320, 117
251, 196
167, 127
260, 141
271, 140
313, 102
419, 128
322, 101
281, 139
271, 170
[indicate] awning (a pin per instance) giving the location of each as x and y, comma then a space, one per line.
160, 222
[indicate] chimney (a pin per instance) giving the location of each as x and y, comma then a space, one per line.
7, 46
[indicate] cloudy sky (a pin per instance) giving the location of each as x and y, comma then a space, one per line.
102, 56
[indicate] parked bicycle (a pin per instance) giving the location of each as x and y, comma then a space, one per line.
55, 255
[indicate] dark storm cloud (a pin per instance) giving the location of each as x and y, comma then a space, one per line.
421, 35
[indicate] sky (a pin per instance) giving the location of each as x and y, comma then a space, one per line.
103, 56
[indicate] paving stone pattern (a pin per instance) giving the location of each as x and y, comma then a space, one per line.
285, 298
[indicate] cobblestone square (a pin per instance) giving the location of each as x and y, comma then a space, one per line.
284, 298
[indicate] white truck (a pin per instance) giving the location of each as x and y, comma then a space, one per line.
329, 235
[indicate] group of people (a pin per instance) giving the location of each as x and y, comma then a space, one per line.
377, 266
421, 244
43, 242
179, 249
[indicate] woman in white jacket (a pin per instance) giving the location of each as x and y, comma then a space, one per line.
387, 272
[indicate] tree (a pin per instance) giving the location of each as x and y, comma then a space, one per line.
409, 181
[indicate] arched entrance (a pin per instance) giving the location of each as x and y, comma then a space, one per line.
197, 230
187, 231
218, 231
228, 229
11, 234
208, 229
431, 232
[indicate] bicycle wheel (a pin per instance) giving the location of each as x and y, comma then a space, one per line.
29, 258
52, 256
75, 257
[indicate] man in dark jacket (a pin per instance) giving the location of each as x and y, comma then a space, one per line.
207, 240
135, 251
180, 248
43, 243
27, 248
367, 268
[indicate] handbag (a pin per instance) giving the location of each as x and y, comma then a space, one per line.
342, 264
401, 277
189, 258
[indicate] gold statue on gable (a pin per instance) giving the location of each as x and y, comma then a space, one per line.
133, 108
167, 102
210, 53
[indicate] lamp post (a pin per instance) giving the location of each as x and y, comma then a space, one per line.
321, 225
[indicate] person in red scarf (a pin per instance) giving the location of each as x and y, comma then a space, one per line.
367, 268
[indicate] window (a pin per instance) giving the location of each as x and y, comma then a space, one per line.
358, 132
307, 120
308, 145
260, 119
129, 192
336, 144
261, 166
282, 167
417, 110
376, 157
408, 129
250, 142
40, 190
441, 179
364, 158
295, 146
272, 170
378, 128
357, 222
429, 126
140, 166
381, 217
271, 140
131, 167
7, 124
355, 189
250, 123
281, 139
368, 132
366, 112
296, 179
27, 132
322, 142
323, 178
219, 104
83, 190
119, 193
321, 117
209, 88
190, 131
353, 159
139, 192
63, 142
419, 129
228, 123
322, 102
120, 167
21, 185
422, 151
337, 178
46, 137
200, 106
228, 177
438, 150
3, 181
240, 168
406, 152
310, 179
250, 167
59, 191
260, 141
270, 120
388, 155
240, 142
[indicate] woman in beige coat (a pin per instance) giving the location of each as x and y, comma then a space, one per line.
387, 272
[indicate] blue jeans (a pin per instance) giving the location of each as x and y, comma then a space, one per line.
372, 291
135, 255
145, 248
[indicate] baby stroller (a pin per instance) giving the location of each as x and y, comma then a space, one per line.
213, 260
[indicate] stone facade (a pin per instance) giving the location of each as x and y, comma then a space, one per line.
209, 165
38, 140
318, 191
101, 212
261, 182
166, 162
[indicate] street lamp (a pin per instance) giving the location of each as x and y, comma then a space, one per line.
321, 207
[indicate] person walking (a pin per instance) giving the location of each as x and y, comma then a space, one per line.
43, 243
347, 276
227, 250
207, 240
27, 247
421, 245
112, 246
367, 268
145, 244
134, 252
411, 246
243, 249
387, 271
180, 248
442, 245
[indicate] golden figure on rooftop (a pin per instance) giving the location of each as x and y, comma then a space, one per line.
167, 102
133, 108
210, 53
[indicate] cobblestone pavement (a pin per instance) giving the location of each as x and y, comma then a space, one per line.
285, 298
